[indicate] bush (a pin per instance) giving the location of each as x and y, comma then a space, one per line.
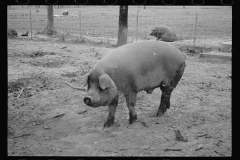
12, 33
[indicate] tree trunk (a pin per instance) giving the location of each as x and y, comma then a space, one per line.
50, 30
123, 25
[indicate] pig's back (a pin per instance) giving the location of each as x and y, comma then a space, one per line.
141, 65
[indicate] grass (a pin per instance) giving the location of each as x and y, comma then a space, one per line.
102, 21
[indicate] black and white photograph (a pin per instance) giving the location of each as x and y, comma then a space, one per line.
119, 80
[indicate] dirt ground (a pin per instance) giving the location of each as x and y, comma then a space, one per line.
48, 118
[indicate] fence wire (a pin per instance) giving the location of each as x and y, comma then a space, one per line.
102, 21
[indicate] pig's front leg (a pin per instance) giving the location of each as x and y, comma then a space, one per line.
111, 109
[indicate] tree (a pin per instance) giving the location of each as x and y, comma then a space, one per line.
123, 25
50, 30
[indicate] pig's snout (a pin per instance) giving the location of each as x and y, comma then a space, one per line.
87, 100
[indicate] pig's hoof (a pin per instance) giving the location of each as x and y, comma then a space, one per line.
132, 119
159, 114
109, 122
161, 111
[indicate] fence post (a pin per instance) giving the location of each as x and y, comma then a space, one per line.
31, 23
137, 27
146, 25
80, 24
195, 32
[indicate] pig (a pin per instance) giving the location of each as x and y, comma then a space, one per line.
65, 13
134, 67
164, 33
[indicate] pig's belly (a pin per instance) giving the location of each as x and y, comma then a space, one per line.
151, 80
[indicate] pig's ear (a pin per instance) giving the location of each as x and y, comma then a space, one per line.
105, 81
85, 79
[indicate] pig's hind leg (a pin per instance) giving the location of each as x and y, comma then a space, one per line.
167, 89
165, 99
131, 101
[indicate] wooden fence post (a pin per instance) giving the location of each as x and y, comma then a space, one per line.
80, 24
31, 23
195, 32
137, 26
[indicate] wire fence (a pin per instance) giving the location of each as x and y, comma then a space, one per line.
102, 21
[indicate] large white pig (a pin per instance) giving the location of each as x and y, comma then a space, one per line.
132, 68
